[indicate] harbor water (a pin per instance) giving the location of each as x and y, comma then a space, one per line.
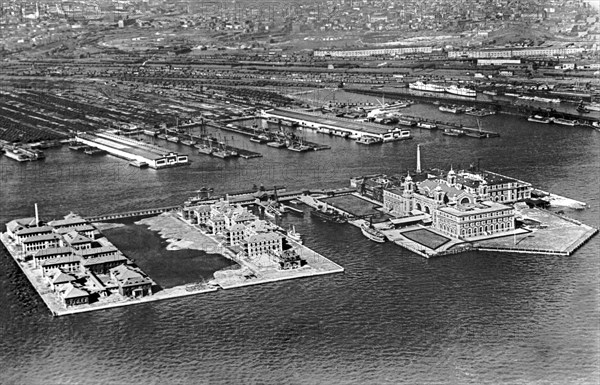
391, 318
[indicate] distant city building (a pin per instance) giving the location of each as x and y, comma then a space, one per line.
372, 52
515, 52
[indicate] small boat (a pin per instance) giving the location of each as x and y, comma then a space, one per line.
368, 140
490, 92
372, 233
407, 122
150, 132
276, 144
427, 125
453, 132
94, 151
452, 109
260, 139
138, 164
293, 235
538, 119
204, 148
564, 122
77, 146
172, 138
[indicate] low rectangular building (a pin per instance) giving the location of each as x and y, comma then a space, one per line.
40, 242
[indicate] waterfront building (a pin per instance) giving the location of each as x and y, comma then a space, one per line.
461, 205
69, 263
263, 243
70, 221
50, 253
73, 296
40, 242
200, 214
15, 225
30, 232
102, 264
216, 223
96, 252
131, 281
289, 259
472, 220
235, 234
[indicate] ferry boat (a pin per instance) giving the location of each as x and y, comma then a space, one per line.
420, 86
593, 106
372, 233
546, 100
564, 122
368, 140
538, 119
293, 235
452, 109
407, 122
461, 91
150, 132
18, 155
172, 138
427, 125
276, 144
453, 132
259, 139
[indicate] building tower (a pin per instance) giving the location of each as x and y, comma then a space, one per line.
451, 177
408, 195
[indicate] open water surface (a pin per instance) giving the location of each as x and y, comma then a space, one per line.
391, 318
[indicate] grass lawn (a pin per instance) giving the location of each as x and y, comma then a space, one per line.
426, 238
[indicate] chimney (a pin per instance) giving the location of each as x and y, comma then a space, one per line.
418, 158
37, 219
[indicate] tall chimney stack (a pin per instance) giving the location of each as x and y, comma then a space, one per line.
37, 219
418, 158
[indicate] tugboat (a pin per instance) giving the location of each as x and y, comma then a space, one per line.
538, 119
204, 148
372, 233
293, 235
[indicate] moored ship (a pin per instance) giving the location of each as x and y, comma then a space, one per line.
451, 108
366, 139
427, 125
293, 235
564, 122
539, 119
461, 91
372, 233
420, 86
329, 215
172, 138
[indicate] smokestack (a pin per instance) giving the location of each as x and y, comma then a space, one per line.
418, 158
37, 219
